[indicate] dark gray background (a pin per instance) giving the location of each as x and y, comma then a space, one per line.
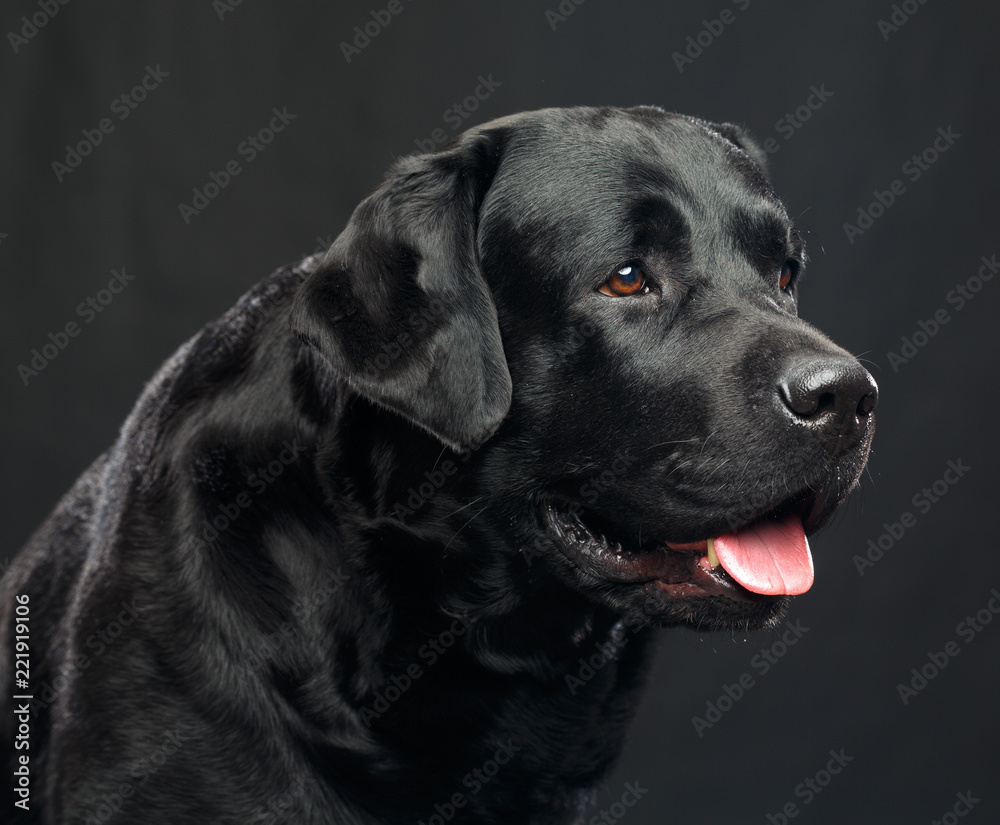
837, 687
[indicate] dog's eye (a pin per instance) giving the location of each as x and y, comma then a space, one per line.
789, 274
628, 280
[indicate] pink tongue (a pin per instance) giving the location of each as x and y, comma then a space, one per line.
771, 557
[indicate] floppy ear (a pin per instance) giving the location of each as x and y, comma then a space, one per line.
736, 134
399, 307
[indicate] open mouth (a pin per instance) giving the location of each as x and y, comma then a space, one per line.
767, 556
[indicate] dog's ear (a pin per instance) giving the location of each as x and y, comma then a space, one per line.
739, 136
399, 307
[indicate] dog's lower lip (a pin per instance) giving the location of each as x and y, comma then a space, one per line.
678, 571
682, 569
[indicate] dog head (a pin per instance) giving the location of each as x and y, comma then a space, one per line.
601, 305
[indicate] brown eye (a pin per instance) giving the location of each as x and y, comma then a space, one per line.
629, 280
787, 278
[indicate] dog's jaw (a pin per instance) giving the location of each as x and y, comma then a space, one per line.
660, 584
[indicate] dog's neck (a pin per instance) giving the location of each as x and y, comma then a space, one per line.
459, 627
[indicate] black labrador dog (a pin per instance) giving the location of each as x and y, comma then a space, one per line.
388, 541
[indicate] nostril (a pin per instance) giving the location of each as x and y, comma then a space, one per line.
826, 400
793, 401
810, 392
832, 396
867, 404
817, 388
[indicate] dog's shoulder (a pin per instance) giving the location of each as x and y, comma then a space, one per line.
46, 570
82, 526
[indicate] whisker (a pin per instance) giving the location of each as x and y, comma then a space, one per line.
664, 443
436, 460
702, 452
460, 529
469, 504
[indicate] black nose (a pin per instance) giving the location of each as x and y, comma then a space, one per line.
833, 396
